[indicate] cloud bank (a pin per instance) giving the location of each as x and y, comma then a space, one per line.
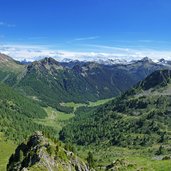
31, 53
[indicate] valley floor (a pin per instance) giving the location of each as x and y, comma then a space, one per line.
57, 119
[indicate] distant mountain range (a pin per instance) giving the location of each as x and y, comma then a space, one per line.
71, 62
52, 82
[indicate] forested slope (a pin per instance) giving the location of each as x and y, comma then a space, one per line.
17, 114
139, 117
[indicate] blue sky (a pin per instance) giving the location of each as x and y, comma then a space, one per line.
89, 28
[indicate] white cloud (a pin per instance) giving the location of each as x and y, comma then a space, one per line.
86, 38
6, 24
30, 52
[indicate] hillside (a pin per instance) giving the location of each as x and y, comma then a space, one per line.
9, 64
17, 115
9, 69
40, 153
51, 82
139, 117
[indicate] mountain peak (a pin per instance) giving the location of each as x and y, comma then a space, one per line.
43, 154
146, 59
162, 60
49, 61
45, 64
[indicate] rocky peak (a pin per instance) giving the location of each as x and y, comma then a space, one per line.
146, 59
36, 139
49, 61
43, 154
46, 64
162, 60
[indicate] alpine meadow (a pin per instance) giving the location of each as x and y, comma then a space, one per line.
85, 85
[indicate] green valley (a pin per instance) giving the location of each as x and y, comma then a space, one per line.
85, 85
58, 120
131, 131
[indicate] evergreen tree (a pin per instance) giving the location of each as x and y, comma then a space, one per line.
90, 159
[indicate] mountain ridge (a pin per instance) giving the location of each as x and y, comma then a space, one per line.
52, 82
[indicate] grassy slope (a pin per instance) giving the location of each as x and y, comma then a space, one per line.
76, 106
11, 66
10, 72
6, 149
140, 159
55, 119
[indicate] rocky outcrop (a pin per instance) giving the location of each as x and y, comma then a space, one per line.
119, 164
40, 153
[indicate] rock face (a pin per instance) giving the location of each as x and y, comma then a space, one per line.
39, 153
